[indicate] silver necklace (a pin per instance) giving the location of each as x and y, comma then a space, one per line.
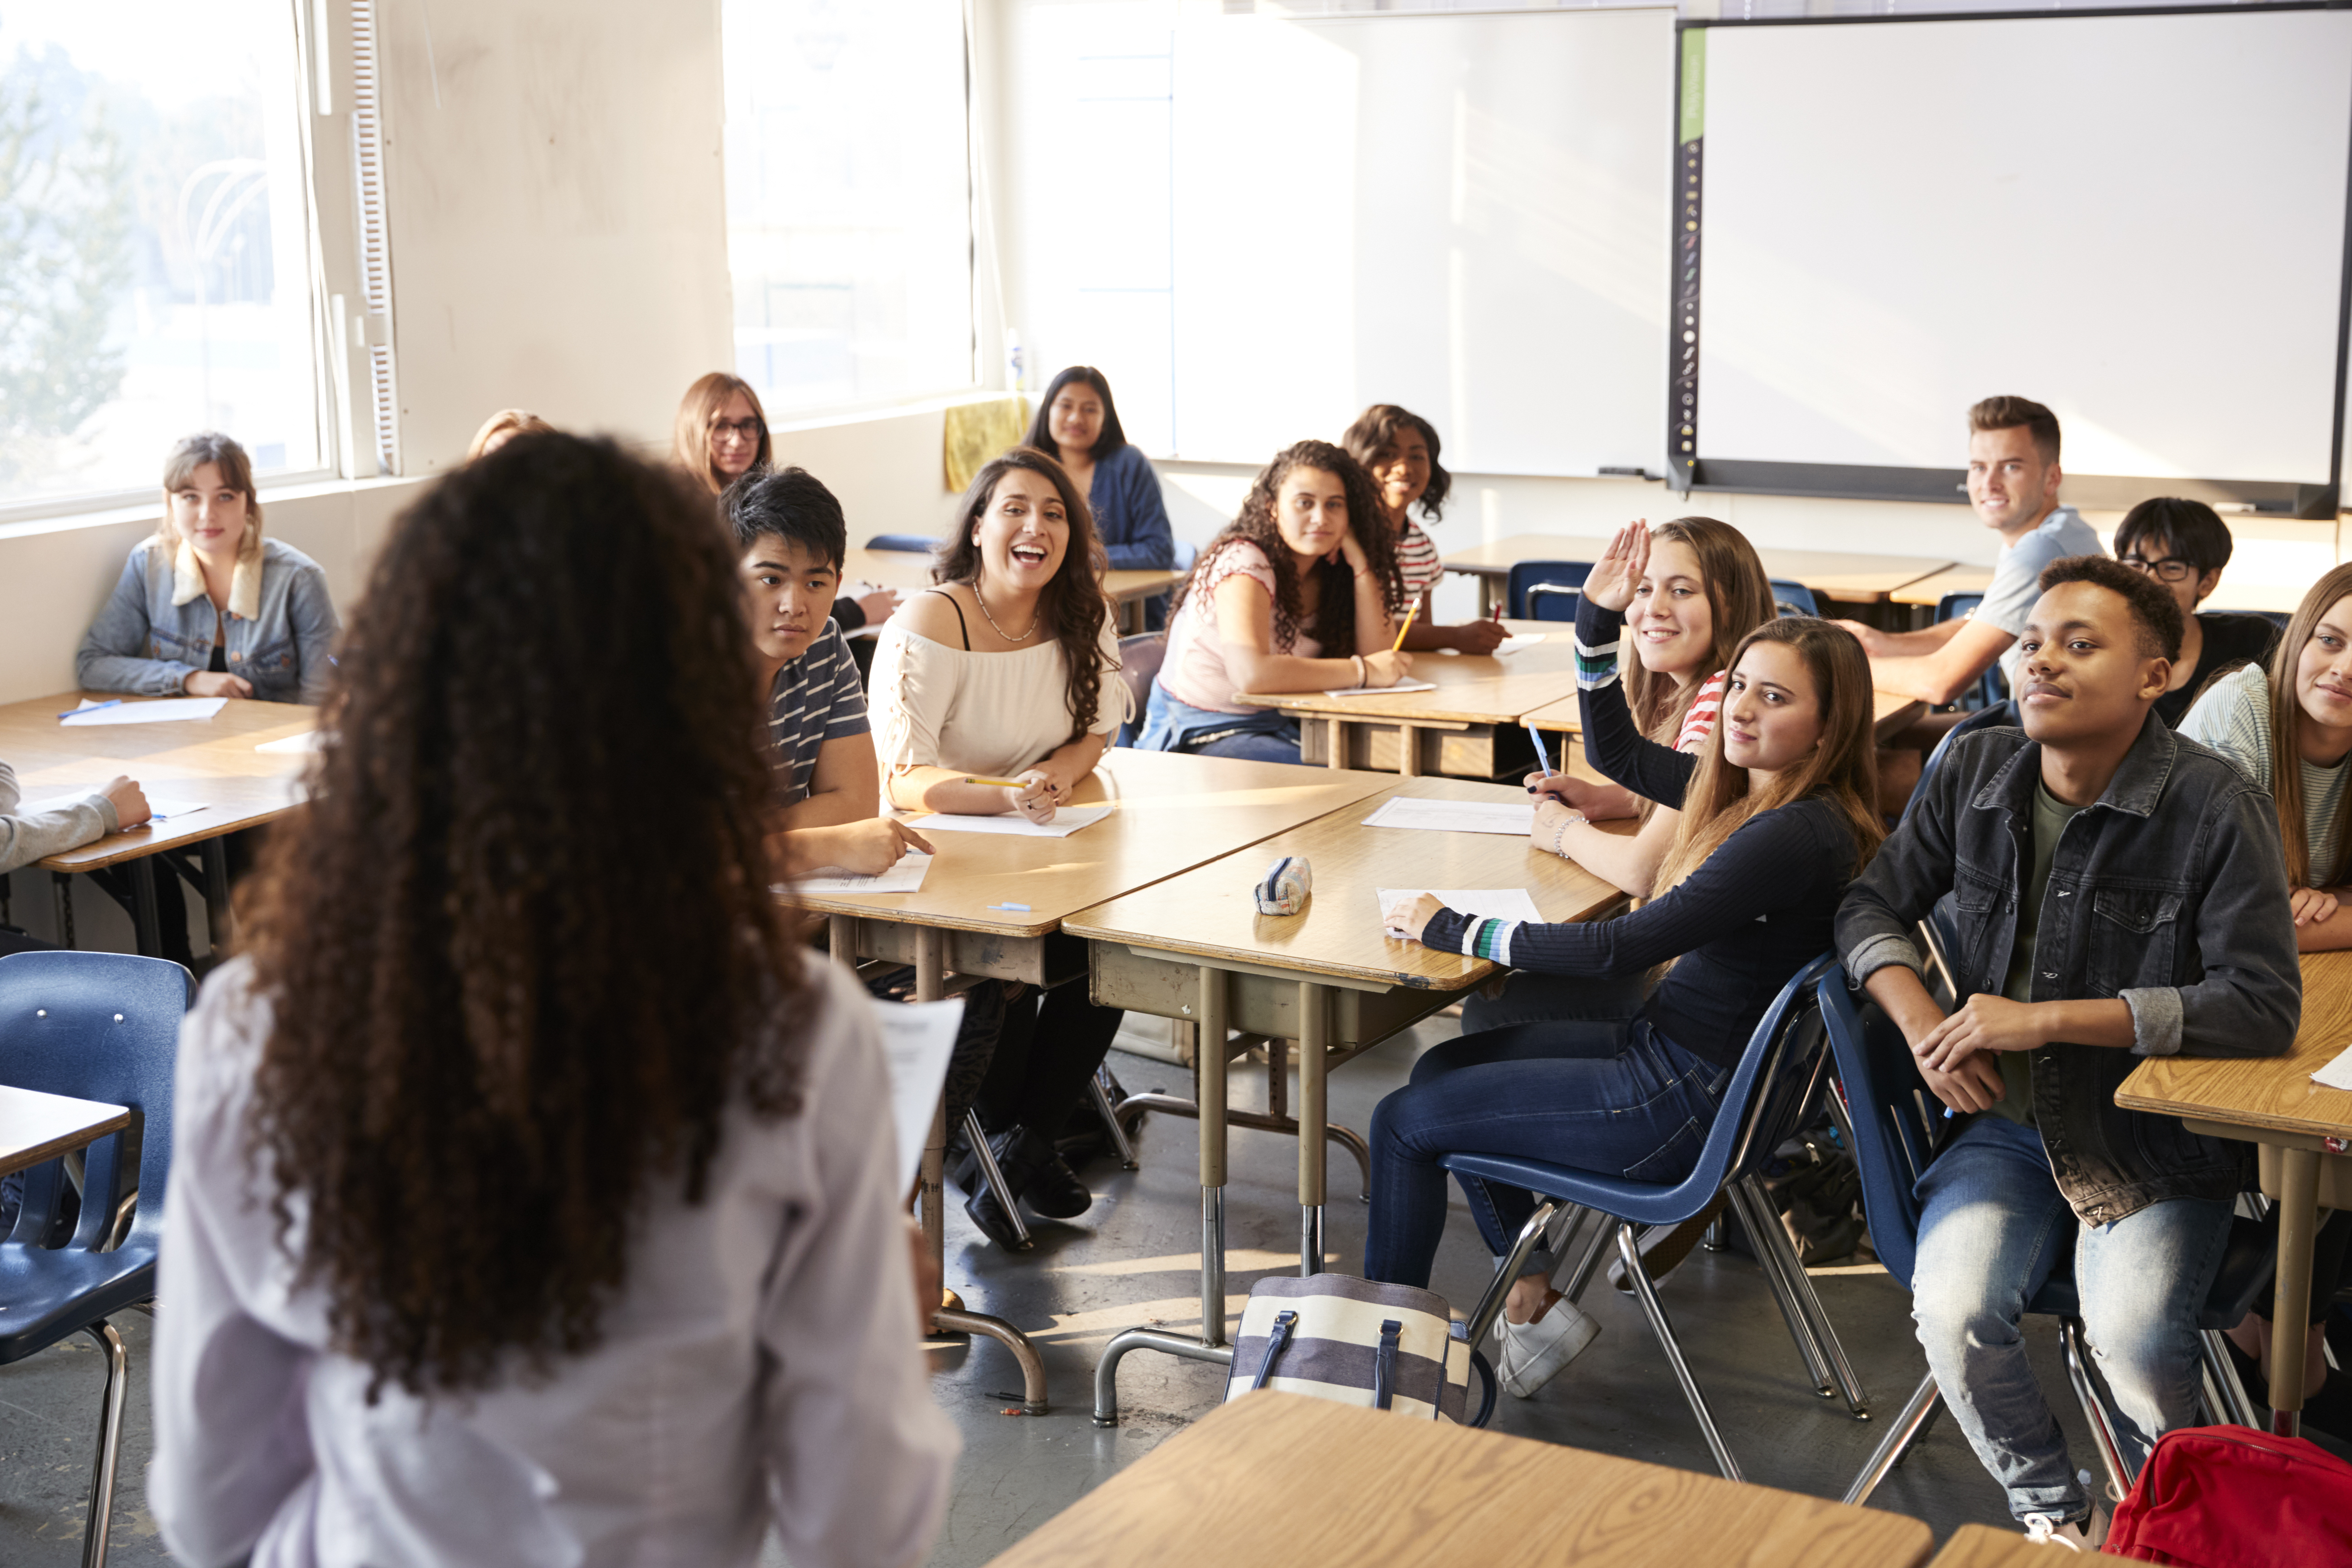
1008, 636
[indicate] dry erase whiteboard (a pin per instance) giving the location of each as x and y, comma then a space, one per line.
2138, 220
1466, 214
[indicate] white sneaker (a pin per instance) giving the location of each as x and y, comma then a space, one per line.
1531, 1354
2043, 1530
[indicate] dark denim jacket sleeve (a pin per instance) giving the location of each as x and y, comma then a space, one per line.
2249, 1000
1911, 870
1134, 527
312, 610
114, 653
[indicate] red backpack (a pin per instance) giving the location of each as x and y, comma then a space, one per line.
2230, 1497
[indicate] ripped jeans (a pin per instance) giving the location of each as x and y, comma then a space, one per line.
1612, 1097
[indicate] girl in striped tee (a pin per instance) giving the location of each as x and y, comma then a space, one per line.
1399, 448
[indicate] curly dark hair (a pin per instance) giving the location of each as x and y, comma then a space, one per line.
1376, 430
1335, 613
493, 1035
1073, 604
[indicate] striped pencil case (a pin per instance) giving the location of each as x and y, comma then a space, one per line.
1390, 1347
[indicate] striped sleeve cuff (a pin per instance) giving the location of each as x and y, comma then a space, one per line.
1595, 667
1490, 939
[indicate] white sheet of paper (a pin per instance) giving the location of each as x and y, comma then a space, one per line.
1495, 903
169, 813
1066, 821
917, 1038
1505, 817
172, 708
905, 876
295, 746
2336, 1074
1376, 691
1518, 642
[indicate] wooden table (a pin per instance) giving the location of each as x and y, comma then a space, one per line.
1276, 1479
1981, 1546
1833, 574
2304, 1137
1891, 713
1466, 728
36, 1126
1172, 811
909, 572
180, 764
1195, 948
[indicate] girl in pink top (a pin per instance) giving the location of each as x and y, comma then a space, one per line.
1299, 593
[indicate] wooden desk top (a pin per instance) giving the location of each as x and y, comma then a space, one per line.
1839, 573
1930, 590
207, 762
34, 1126
1173, 811
909, 572
2274, 1093
1208, 911
1472, 689
1889, 712
1277, 1480
1981, 1546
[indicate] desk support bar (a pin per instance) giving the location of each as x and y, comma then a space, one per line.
1209, 1062
1314, 1108
2298, 1212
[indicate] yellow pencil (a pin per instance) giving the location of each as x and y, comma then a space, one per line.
1000, 784
1406, 627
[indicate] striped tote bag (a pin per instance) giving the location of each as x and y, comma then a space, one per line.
1390, 1347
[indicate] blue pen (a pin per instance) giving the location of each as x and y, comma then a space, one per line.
1543, 758
110, 702
1022, 908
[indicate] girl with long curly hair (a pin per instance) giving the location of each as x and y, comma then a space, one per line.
535, 1198
1298, 592
1009, 669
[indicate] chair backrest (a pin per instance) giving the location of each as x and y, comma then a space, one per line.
914, 544
1794, 598
1997, 715
104, 1027
2276, 617
1563, 581
1896, 1122
1953, 605
1139, 658
1990, 688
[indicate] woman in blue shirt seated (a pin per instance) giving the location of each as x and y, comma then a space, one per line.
206, 606
1777, 818
1078, 423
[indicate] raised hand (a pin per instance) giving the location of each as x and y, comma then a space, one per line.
1618, 573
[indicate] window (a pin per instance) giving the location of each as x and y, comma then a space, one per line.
848, 199
154, 254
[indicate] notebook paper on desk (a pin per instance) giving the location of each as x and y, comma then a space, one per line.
2336, 1074
905, 876
1066, 821
1384, 691
1504, 816
90, 714
1518, 642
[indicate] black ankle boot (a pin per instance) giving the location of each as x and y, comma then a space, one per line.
1056, 1191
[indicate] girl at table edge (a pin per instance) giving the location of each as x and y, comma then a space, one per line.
1700, 590
664, 1298
1077, 423
1307, 563
1009, 669
1778, 815
206, 606
721, 435
1400, 449
2289, 732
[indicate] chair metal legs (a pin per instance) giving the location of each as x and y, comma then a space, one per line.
2094, 1408
109, 1443
1099, 1091
2225, 1392
1906, 1430
977, 1136
1629, 1251
1490, 1304
1809, 1322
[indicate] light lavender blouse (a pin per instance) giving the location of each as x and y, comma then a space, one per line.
762, 1364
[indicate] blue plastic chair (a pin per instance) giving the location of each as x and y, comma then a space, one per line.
1545, 590
1140, 657
1895, 1126
1794, 598
1990, 687
1777, 1079
103, 1026
1993, 716
913, 543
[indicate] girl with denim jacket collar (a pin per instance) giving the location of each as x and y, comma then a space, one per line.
212, 524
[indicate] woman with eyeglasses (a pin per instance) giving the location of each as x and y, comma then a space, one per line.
2184, 545
721, 435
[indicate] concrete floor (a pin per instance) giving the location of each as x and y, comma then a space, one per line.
1134, 1260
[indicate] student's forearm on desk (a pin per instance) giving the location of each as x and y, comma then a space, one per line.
924, 788
1279, 672
2332, 934
1628, 862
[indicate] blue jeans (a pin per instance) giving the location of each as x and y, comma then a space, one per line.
1992, 1228
1531, 998
1261, 735
1614, 1098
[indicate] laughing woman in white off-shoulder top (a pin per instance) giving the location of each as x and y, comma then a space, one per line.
1009, 669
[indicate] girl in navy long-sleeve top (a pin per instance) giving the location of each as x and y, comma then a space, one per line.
1776, 820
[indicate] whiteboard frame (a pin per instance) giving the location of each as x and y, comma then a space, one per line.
1696, 472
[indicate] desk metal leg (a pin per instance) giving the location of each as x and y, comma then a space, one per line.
1314, 1108
1408, 752
218, 917
2298, 1205
1209, 1069
145, 915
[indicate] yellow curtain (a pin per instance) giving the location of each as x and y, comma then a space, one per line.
978, 432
